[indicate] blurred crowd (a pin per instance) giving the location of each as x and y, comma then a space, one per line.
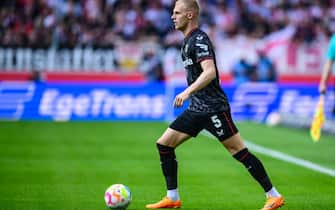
100, 23
103, 23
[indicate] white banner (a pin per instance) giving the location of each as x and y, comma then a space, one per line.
289, 57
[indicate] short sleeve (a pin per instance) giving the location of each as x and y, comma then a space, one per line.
202, 48
331, 49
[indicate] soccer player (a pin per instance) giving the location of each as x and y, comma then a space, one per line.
327, 67
208, 109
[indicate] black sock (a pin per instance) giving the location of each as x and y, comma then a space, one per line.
255, 168
169, 165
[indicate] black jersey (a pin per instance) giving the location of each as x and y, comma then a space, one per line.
196, 48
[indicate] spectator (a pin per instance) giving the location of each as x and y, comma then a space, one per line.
37, 76
243, 72
265, 68
151, 66
66, 22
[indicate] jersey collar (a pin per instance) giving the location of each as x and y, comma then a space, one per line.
191, 32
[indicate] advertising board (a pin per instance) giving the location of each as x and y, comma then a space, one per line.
149, 101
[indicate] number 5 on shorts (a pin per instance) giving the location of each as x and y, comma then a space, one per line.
216, 121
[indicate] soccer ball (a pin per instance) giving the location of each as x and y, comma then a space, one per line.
273, 119
117, 196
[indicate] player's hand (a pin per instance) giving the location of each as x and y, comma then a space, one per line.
180, 98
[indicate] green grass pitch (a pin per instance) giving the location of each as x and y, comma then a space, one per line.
68, 166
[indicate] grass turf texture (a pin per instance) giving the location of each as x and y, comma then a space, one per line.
55, 166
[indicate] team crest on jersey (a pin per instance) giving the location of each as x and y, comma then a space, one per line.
199, 37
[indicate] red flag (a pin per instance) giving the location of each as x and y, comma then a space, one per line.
318, 120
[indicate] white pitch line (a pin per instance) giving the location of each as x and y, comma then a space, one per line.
290, 159
284, 157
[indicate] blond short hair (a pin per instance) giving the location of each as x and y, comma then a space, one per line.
192, 5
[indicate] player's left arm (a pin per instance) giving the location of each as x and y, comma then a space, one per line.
327, 67
207, 75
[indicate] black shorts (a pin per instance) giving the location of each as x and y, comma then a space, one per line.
219, 124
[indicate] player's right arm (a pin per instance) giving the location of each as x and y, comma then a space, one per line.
207, 75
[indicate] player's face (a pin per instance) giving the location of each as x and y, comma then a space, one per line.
179, 16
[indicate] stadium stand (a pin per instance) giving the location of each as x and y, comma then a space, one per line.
97, 36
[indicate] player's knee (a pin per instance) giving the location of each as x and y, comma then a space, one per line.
164, 142
234, 144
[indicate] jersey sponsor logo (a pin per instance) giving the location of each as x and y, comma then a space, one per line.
186, 48
187, 62
13, 96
